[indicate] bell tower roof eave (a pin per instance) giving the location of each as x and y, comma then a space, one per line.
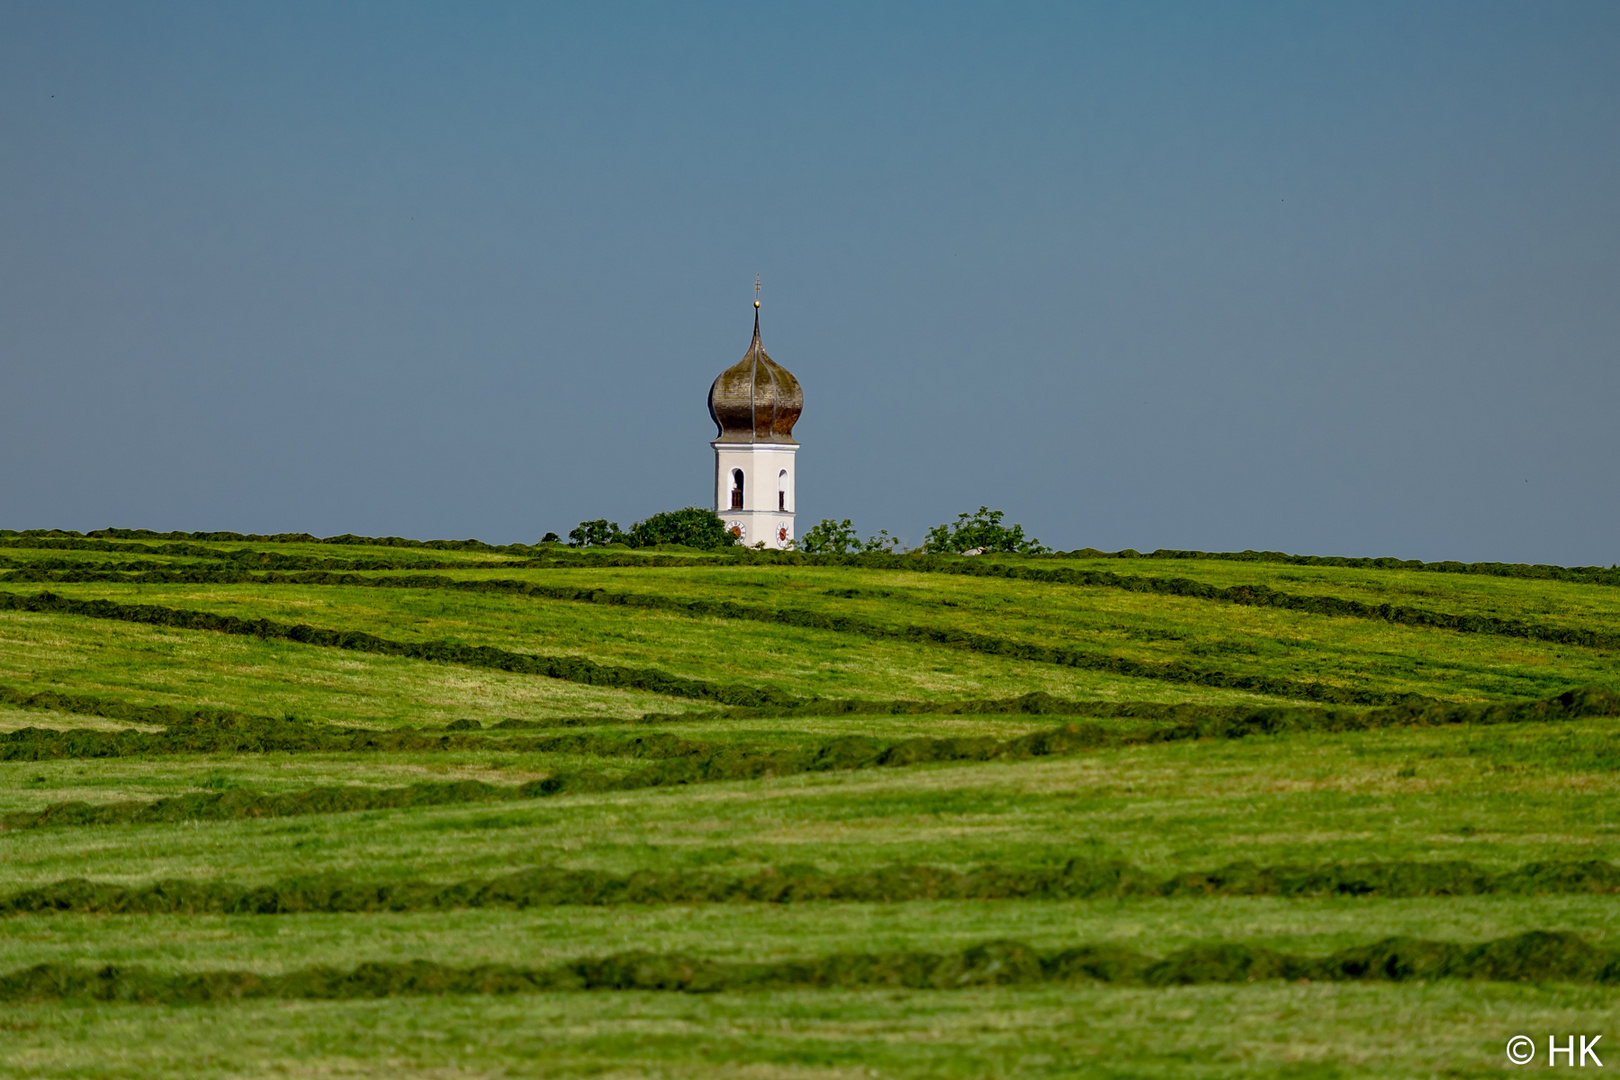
742, 440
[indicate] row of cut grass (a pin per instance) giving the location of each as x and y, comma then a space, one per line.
801, 884
274, 944
678, 760
1499, 797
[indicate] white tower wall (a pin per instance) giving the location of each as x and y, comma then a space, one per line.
768, 477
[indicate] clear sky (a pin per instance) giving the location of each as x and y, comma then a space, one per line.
1327, 278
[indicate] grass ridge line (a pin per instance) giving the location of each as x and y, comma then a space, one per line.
26, 538
1597, 575
67, 540
1534, 956
580, 670
1587, 575
1077, 879
153, 558
223, 563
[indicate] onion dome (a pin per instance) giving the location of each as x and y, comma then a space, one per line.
756, 400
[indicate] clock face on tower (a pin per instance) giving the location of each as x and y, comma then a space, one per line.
782, 535
737, 529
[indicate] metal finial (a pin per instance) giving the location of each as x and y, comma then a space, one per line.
756, 290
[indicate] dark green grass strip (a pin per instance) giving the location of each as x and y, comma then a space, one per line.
112, 709
680, 761
1586, 575
1537, 956
576, 669
796, 884
241, 804
228, 565
1038, 703
106, 540
147, 556
223, 566
567, 668
184, 545
263, 735
683, 761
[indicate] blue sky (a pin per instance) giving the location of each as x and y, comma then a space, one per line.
1336, 279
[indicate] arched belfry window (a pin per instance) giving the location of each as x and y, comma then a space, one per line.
781, 490
736, 489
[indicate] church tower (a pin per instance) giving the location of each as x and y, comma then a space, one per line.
755, 403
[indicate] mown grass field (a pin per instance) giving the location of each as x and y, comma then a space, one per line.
367, 809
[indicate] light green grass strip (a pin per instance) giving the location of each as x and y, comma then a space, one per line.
568, 668
581, 670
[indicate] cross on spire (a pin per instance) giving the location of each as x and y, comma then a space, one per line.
756, 290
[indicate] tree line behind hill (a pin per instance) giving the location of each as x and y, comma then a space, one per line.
969, 534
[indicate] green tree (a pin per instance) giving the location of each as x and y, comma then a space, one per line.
693, 527
829, 537
595, 534
881, 544
980, 531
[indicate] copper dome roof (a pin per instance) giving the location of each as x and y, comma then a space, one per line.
756, 400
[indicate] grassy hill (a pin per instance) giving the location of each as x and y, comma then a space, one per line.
292, 807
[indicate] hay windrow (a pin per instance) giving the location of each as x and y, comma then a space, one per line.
113, 709
1078, 879
1536, 956
683, 761
174, 716
1412, 710
263, 735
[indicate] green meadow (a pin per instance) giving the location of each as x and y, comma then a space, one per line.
281, 807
